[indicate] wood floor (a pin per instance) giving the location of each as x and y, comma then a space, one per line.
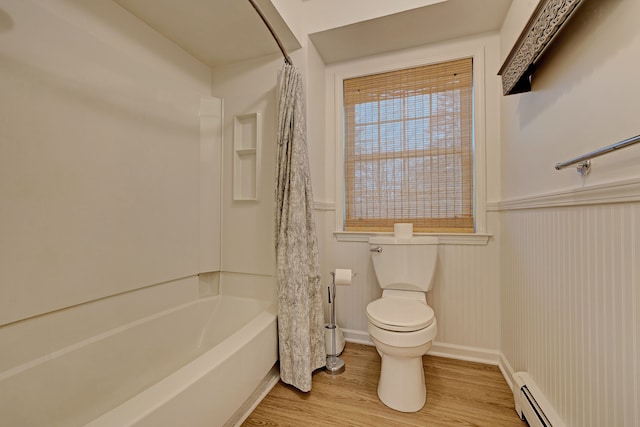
458, 394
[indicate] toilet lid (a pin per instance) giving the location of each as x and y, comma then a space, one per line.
399, 314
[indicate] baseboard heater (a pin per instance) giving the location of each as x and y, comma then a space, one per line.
531, 405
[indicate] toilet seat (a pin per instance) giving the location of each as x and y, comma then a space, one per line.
400, 314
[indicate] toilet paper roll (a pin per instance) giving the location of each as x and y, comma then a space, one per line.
343, 276
403, 230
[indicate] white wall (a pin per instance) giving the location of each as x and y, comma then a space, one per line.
465, 299
570, 244
570, 303
248, 229
99, 156
514, 22
247, 87
465, 296
584, 97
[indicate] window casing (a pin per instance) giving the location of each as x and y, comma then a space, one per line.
408, 152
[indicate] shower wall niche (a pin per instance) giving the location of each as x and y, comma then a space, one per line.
246, 156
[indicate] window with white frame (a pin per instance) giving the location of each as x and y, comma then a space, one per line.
408, 151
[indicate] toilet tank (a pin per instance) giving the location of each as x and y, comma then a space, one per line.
404, 263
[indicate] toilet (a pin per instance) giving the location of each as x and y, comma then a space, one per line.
401, 324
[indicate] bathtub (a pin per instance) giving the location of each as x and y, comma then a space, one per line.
194, 365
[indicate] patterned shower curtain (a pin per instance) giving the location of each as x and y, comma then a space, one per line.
300, 312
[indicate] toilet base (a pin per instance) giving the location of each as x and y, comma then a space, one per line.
402, 383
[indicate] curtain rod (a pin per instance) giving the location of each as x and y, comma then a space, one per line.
287, 59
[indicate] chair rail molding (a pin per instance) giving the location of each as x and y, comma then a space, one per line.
623, 191
538, 34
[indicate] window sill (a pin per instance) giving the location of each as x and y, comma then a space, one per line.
478, 239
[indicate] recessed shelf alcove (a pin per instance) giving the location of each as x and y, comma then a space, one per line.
246, 156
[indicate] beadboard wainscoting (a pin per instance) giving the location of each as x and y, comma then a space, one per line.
465, 295
570, 300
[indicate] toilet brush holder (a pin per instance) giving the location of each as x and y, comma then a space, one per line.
329, 330
334, 365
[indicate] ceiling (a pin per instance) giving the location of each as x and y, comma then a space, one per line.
447, 20
219, 32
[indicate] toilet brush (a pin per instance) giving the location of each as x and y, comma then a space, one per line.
335, 365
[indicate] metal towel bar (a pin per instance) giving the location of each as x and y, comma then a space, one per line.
584, 165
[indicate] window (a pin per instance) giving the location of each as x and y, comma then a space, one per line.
409, 149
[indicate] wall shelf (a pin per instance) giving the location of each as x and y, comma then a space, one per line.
541, 29
246, 156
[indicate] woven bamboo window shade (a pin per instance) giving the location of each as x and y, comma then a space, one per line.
409, 149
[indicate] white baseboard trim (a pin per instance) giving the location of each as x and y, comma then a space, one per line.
450, 351
357, 337
466, 353
507, 370
267, 383
440, 349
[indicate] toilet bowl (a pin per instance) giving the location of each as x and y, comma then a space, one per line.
402, 335
401, 324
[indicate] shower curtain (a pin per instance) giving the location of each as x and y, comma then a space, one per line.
300, 312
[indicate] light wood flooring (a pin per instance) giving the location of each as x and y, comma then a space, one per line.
458, 394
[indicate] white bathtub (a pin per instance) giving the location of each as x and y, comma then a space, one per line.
193, 365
